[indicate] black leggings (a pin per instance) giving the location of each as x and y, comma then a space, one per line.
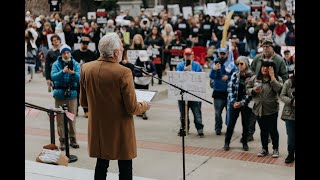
125, 169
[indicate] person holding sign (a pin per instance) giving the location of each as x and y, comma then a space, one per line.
141, 79
106, 88
189, 65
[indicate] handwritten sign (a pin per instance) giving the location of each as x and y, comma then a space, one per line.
133, 55
290, 48
194, 82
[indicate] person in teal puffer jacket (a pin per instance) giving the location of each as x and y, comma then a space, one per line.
65, 74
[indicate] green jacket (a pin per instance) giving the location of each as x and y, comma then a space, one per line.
281, 69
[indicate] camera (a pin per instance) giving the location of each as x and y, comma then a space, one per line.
144, 22
188, 62
70, 65
67, 92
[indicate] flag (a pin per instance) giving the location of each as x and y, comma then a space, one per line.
229, 64
33, 112
26, 111
70, 115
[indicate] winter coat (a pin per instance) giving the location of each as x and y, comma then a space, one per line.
287, 96
107, 89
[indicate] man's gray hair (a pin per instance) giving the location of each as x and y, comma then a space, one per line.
108, 43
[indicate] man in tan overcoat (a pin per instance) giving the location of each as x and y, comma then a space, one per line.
107, 89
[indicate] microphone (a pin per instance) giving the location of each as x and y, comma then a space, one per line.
141, 68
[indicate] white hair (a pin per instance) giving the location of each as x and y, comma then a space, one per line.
108, 43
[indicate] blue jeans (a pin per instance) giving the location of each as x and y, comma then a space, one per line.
219, 104
268, 124
195, 107
291, 131
245, 116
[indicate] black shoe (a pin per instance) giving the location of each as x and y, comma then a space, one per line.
289, 159
144, 116
62, 145
218, 132
201, 135
73, 143
226, 147
245, 147
250, 138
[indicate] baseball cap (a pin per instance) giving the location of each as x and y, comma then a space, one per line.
222, 50
188, 51
267, 41
143, 56
281, 19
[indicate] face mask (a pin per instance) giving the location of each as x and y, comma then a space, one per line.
66, 60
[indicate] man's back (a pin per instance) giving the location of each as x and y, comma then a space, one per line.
107, 89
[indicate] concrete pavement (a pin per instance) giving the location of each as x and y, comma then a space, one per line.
159, 147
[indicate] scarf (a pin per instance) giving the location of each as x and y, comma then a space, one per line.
280, 29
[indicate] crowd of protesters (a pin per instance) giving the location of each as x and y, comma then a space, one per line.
169, 35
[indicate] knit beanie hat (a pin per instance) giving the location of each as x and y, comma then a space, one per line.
65, 48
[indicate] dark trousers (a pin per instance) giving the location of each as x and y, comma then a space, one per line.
219, 105
195, 107
291, 132
159, 72
138, 86
268, 124
234, 114
125, 169
78, 102
252, 123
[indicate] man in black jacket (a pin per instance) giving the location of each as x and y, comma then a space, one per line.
51, 57
83, 55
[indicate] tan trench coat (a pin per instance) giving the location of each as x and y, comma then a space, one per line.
107, 89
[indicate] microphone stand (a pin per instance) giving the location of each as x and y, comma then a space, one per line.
182, 131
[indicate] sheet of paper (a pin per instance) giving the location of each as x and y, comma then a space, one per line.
145, 95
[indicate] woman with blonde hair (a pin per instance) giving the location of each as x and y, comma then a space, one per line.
137, 43
238, 102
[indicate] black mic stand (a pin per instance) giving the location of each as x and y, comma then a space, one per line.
182, 131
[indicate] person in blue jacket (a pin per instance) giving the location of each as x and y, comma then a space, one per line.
189, 65
65, 74
220, 78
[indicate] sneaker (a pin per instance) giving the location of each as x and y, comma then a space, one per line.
289, 159
275, 153
263, 153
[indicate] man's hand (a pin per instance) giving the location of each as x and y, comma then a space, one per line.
49, 83
65, 69
187, 68
216, 66
236, 105
70, 71
225, 78
147, 103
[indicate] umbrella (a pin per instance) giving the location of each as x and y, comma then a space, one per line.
239, 7
269, 9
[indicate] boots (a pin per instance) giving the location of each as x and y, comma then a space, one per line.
226, 146
245, 146
73, 143
62, 145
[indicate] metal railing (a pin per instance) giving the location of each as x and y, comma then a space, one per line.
51, 112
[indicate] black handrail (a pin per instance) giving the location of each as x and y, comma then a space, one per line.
51, 111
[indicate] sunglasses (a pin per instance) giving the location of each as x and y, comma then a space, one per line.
240, 64
85, 42
266, 46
